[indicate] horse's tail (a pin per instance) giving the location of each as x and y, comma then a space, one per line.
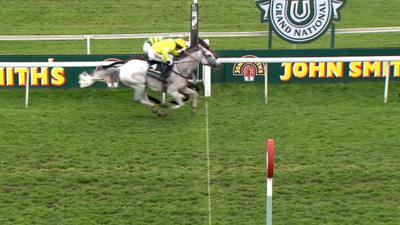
87, 80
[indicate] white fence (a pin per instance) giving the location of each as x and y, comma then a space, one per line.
207, 75
90, 37
207, 71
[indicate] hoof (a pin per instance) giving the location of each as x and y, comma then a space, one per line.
176, 106
162, 114
158, 112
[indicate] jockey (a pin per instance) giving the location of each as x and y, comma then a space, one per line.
150, 42
165, 50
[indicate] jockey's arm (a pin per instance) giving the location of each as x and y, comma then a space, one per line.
165, 54
175, 52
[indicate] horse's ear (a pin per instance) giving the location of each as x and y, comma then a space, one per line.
203, 43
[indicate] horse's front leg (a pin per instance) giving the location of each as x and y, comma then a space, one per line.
178, 97
194, 95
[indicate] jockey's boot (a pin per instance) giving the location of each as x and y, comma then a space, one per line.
164, 72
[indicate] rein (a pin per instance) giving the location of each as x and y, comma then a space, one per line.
193, 59
179, 74
189, 61
181, 62
189, 55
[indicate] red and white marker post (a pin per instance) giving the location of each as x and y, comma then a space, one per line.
269, 172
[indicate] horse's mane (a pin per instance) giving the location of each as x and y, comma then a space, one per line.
206, 46
196, 47
190, 50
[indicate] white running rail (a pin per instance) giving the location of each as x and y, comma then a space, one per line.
178, 34
207, 75
89, 37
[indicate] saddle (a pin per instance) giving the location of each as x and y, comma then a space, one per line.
160, 71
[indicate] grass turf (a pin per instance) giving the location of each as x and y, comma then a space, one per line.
92, 157
125, 16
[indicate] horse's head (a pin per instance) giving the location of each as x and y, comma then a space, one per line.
209, 57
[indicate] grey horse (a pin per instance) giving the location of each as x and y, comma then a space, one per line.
133, 74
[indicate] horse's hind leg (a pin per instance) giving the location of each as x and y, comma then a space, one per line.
141, 97
194, 95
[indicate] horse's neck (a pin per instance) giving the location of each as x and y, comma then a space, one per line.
189, 63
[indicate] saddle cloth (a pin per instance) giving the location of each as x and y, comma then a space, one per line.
158, 70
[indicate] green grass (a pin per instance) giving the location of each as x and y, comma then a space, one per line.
125, 16
135, 46
88, 157
92, 157
68, 159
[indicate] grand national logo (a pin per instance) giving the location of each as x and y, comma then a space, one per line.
300, 21
249, 70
